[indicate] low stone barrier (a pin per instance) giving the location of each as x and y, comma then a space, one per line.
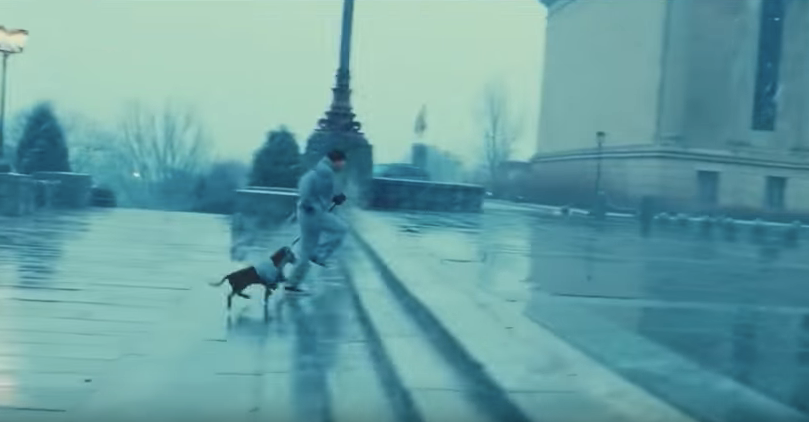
276, 204
46, 191
402, 194
271, 205
73, 190
17, 194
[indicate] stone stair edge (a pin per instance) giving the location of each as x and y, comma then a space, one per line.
470, 357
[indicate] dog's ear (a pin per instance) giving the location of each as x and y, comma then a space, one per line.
278, 257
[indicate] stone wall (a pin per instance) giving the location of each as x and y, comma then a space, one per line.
669, 71
271, 205
17, 194
73, 189
710, 65
669, 175
275, 205
46, 191
395, 194
602, 72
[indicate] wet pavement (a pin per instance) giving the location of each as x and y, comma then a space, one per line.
716, 325
106, 316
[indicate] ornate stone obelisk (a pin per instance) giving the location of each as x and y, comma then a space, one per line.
339, 129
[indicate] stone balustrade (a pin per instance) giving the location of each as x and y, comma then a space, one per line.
46, 191
271, 205
274, 205
17, 194
22, 194
402, 194
73, 189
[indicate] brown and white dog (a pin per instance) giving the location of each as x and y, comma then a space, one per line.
269, 275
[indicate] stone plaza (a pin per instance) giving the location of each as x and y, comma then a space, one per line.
518, 313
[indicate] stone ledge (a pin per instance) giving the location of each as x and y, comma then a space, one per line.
269, 204
752, 158
73, 190
396, 194
17, 194
514, 354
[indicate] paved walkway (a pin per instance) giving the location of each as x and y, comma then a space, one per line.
107, 315
688, 321
478, 299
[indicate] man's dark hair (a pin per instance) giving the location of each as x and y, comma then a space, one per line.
336, 155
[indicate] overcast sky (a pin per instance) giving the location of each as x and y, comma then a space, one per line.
249, 66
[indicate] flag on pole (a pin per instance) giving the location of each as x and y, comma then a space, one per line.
421, 122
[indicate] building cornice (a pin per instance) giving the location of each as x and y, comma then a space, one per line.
756, 159
555, 5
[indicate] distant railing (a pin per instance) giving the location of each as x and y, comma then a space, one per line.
277, 204
403, 194
23, 194
269, 205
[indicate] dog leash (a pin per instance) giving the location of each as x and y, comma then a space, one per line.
297, 239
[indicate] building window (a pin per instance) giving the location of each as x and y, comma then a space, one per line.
775, 193
708, 188
770, 38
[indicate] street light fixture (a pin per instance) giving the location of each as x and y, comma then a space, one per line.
12, 41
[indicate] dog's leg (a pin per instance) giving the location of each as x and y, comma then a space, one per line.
268, 289
230, 299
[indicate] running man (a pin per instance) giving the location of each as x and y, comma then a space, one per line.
322, 232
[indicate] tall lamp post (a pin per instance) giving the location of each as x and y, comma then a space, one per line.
11, 42
338, 128
600, 205
600, 137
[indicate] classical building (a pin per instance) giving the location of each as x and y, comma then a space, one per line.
703, 105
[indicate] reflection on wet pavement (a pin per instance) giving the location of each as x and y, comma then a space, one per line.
108, 316
736, 307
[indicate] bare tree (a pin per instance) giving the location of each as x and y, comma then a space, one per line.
164, 151
500, 127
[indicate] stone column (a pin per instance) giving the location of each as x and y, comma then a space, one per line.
420, 156
792, 127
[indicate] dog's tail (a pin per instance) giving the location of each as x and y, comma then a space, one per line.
220, 282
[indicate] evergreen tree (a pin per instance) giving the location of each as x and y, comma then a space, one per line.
278, 162
42, 146
215, 191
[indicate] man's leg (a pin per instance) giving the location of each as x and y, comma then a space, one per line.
333, 231
310, 235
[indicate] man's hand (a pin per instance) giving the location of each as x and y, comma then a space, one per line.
339, 199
